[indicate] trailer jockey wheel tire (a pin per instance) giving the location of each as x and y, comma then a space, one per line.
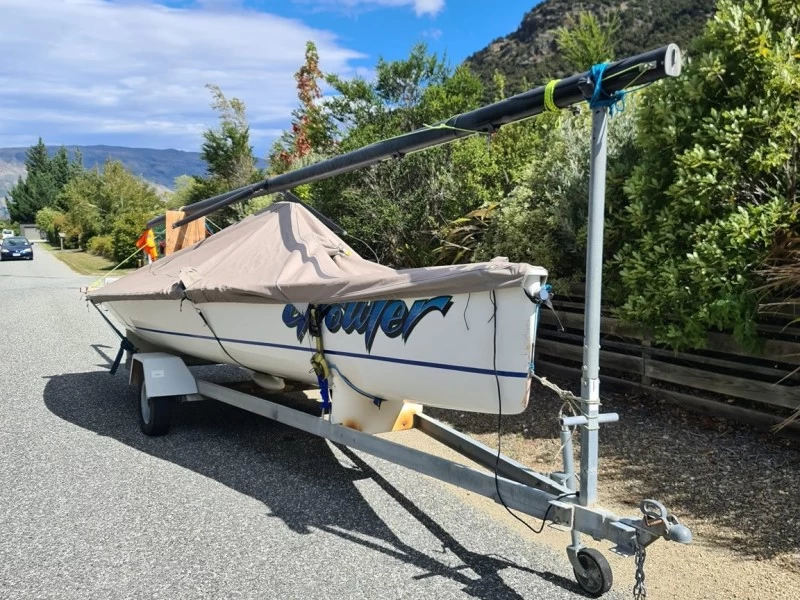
598, 579
154, 413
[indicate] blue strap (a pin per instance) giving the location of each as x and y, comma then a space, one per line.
600, 98
323, 388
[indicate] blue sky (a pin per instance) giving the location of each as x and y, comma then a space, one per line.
132, 72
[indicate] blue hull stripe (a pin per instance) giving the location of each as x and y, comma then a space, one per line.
400, 361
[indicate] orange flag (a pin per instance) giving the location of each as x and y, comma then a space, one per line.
147, 242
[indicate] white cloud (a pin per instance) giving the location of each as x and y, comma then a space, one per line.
428, 7
135, 71
432, 34
421, 7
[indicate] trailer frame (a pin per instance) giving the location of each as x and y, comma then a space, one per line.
551, 498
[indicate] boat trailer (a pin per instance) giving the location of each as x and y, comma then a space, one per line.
567, 498
164, 379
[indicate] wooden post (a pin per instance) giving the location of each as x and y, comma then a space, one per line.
185, 235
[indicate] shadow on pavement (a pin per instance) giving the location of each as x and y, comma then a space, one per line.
276, 465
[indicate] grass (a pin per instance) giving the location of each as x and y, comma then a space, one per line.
85, 263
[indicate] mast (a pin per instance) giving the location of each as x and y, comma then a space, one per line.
637, 70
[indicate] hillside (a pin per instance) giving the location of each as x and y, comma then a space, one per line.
531, 51
160, 167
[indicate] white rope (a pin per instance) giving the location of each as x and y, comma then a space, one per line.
566, 396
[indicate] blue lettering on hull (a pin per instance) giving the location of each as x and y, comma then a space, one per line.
393, 317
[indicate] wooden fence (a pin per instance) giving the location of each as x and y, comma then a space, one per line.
759, 388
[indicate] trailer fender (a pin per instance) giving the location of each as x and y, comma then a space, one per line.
164, 374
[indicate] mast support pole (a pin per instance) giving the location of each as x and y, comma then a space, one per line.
590, 375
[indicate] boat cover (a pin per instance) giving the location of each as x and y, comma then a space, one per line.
285, 255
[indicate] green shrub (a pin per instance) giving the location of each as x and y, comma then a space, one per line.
12, 225
51, 222
717, 181
127, 229
543, 220
101, 245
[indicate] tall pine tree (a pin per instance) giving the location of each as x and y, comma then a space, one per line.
46, 178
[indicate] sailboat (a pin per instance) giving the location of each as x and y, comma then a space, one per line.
280, 288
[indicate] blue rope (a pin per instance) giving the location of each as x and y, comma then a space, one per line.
600, 98
547, 288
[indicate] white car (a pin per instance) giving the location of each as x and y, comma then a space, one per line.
7, 233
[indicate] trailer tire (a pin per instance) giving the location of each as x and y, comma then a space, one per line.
154, 413
598, 579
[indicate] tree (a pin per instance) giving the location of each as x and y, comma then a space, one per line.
43, 182
228, 153
311, 130
37, 190
111, 202
227, 150
398, 206
50, 221
586, 42
394, 102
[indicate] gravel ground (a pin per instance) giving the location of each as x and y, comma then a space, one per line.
228, 505
736, 488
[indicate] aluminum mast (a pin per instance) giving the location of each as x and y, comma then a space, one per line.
637, 70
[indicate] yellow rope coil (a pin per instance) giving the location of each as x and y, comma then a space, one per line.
549, 103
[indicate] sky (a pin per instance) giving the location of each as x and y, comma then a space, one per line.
133, 72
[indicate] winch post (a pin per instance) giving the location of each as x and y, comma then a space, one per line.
590, 376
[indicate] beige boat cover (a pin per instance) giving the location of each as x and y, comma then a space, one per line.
285, 255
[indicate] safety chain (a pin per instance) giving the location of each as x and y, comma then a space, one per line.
639, 589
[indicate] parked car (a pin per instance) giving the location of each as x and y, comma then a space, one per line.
7, 233
16, 248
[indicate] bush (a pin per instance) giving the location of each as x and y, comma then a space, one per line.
102, 245
716, 185
51, 222
543, 220
127, 229
12, 225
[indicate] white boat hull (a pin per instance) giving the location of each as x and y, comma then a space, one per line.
437, 352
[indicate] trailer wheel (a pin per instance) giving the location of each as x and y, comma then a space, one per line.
598, 578
154, 413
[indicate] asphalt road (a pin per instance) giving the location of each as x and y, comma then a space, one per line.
229, 505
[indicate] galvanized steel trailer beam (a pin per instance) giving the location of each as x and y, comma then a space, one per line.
516, 495
558, 504
486, 456
641, 69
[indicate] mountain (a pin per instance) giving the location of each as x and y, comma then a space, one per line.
530, 52
10, 172
160, 167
